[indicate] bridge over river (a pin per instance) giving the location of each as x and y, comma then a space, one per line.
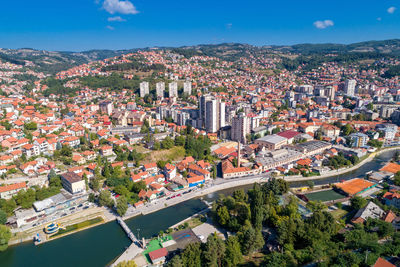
134, 249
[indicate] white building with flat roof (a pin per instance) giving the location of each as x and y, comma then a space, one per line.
187, 87
173, 89
271, 142
144, 89
350, 87
160, 88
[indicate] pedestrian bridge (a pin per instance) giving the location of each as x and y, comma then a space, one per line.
133, 250
128, 232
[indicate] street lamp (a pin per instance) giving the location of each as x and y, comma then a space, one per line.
138, 231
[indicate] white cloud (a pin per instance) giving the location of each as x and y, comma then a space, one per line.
122, 7
391, 10
379, 19
116, 18
322, 24
228, 26
111, 28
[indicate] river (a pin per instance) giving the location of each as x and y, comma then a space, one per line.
99, 245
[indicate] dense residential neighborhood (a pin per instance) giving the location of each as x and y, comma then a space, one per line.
145, 130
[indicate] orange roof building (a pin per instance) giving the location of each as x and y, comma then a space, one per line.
391, 167
355, 186
7, 191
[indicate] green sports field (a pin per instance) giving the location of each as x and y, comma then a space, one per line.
327, 195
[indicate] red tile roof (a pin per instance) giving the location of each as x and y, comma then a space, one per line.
10, 187
380, 262
159, 253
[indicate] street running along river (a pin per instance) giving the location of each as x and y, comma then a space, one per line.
99, 245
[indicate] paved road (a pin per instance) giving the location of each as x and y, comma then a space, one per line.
221, 184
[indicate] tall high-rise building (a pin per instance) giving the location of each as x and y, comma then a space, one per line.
211, 116
202, 108
240, 128
144, 89
331, 92
106, 107
221, 114
212, 113
173, 89
160, 88
350, 87
187, 88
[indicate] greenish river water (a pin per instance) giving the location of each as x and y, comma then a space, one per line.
99, 245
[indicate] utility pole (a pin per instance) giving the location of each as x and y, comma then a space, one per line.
366, 256
138, 232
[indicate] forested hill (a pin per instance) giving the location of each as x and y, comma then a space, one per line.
385, 47
54, 61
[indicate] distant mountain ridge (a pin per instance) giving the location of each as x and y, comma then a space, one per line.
54, 61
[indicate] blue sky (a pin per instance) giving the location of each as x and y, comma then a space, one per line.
77, 25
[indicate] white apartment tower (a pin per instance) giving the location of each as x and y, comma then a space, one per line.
173, 89
211, 116
160, 88
212, 113
221, 116
350, 87
187, 87
144, 89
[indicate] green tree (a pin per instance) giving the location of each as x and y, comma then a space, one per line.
214, 251
156, 145
180, 140
121, 190
240, 195
250, 239
223, 215
52, 174
30, 126
233, 255
66, 151
167, 143
8, 206
5, 235
105, 199
316, 205
277, 186
191, 256
358, 202
3, 217
26, 198
95, 184
136, 187
161, 164
55, 182
347, 129
375, 143
256, 206
122, 205
176, 261
92, 198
